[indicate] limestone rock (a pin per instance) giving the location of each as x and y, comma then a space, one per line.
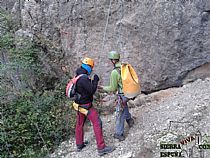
163, 40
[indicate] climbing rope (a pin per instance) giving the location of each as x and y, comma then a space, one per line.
107, 21
104, 34
84, 25
120, 41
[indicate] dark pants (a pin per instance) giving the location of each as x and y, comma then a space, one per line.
97, 127
122, 114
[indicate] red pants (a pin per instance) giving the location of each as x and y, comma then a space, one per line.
97, 127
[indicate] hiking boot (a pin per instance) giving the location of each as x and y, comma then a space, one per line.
80, 147
119, 137
106, 150
130, 122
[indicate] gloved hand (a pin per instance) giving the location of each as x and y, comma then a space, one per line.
95, 77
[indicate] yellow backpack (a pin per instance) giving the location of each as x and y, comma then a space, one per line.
130, 82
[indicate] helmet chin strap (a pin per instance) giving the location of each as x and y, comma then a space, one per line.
113, 62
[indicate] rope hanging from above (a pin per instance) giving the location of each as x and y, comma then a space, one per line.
84, 25
107, 21
120, 38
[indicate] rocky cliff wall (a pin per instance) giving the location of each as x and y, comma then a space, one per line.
164, 40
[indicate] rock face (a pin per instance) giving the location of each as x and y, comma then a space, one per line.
164, 40
7, 5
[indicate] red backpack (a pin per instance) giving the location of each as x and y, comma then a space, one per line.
71, 87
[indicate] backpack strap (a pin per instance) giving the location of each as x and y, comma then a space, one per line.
76, 78
119, 71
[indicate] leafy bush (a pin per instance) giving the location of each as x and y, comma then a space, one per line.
34, 123
34, 118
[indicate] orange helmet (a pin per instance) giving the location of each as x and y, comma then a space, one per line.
88, 61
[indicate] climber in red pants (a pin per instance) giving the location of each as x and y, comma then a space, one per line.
97, 126
85, 88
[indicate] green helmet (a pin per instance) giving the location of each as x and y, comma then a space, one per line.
113, 55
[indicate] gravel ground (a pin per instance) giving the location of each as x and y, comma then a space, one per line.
168, 116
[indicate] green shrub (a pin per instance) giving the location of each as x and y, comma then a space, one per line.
34, 118
35, 124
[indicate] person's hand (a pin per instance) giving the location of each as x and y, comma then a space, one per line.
95, 77
100, 87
